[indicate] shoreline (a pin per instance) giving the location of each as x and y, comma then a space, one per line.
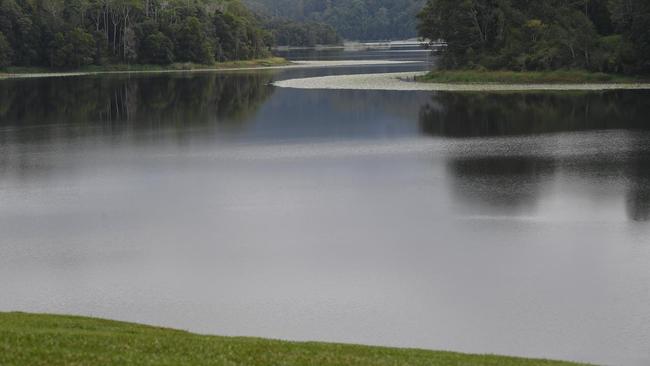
36, 339
225, 67
408, 81
528, 77
30, 72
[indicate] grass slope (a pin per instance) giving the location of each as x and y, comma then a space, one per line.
528, 77
31, 339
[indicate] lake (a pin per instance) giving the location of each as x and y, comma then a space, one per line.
508, 223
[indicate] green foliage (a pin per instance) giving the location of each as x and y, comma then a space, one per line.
6, 53
74, 33
157, 48
302, 34
632, 19
21, 32
74, 48
543, 35
352, 19
192, 42
59, 340
239, 37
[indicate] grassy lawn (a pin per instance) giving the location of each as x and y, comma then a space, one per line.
516, 77
31, 339
266, 62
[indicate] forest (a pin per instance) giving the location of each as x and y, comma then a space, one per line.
75, 33
597, 35
352, 19
287, 32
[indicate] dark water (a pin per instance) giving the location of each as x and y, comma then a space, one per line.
500, 223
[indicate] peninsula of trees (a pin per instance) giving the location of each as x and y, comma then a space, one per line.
76, 33
611, 36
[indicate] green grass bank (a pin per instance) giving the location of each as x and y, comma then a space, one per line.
34, 339
259, 63
526, 77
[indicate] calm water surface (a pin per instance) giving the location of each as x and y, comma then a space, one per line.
492, 223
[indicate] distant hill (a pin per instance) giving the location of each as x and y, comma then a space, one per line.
352, 19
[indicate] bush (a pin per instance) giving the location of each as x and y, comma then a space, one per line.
74, 48
157, 48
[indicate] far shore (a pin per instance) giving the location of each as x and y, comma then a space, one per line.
528, 77
437, 80
274, 63
31, 72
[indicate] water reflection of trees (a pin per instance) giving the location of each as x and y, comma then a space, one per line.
495, 114
638, 194
498, 182
138, 101
38, 116
514, 180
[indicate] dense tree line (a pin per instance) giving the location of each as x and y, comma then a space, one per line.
74, 33
598, 35
301, 34
352, 19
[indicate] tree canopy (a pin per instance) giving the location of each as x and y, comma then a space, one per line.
74, 33
598, 35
